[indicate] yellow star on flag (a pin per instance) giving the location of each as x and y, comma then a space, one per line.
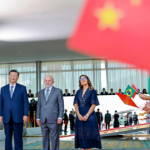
108, 17
136, 2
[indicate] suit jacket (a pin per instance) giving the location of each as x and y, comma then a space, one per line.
65, 117
106, 93
53, 108
107, 117
17, 106
32, 95
112, 94
135, 117
99, 117
71, 118
68, 94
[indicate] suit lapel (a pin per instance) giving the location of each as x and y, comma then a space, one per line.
44, 94
8, 91
15, 91
51, 93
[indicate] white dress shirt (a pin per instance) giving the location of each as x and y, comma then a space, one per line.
13, 88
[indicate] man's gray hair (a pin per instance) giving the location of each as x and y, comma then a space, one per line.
49, 76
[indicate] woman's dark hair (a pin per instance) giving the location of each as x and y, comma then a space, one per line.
89, 82
144, 91
13, 70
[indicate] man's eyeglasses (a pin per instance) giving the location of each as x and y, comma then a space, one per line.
83, 79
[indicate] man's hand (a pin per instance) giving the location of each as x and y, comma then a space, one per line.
147, 107
85, 118
38, 122
25, 119
59, 121
1, 119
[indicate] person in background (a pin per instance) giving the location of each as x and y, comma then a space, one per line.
135, 118
30, 94
97, 92
116, 120
99, 117
32, 108
36, 94
130, 118
74, 93
104, 92
144, 91
107, 120
65, 120
66, 93
120, 91
138, 91
72, 120
111, 92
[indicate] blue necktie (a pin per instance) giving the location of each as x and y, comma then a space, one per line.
11, 93
47, 94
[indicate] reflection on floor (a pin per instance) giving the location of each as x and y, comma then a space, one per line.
107, 142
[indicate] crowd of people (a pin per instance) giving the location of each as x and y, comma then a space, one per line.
115, 120
104, 92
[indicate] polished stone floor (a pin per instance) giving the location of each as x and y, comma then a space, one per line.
119, 142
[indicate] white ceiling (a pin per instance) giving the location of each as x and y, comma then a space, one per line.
36, 30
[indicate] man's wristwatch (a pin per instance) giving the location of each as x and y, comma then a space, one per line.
87, 115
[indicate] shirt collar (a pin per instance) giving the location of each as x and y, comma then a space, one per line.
12, 85
50, 87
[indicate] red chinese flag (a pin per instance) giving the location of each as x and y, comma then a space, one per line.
127, 100
114, 29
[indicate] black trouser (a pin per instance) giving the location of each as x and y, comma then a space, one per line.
65, 128
72, 125
107, 125
99, 125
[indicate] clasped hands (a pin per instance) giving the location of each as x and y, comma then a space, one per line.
81, 118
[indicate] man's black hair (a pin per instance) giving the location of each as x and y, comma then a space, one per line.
14, 70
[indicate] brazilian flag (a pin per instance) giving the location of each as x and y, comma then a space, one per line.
130, 91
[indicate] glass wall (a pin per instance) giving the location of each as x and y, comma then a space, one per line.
66, 74
27, 75
103, 74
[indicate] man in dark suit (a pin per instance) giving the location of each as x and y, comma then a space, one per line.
13, 110
104, 92
65, 120
32, 108
111, 92
120, 91
99, 117
30, 94
71, 118
74, 93
66, 93
107, 120
135, 118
